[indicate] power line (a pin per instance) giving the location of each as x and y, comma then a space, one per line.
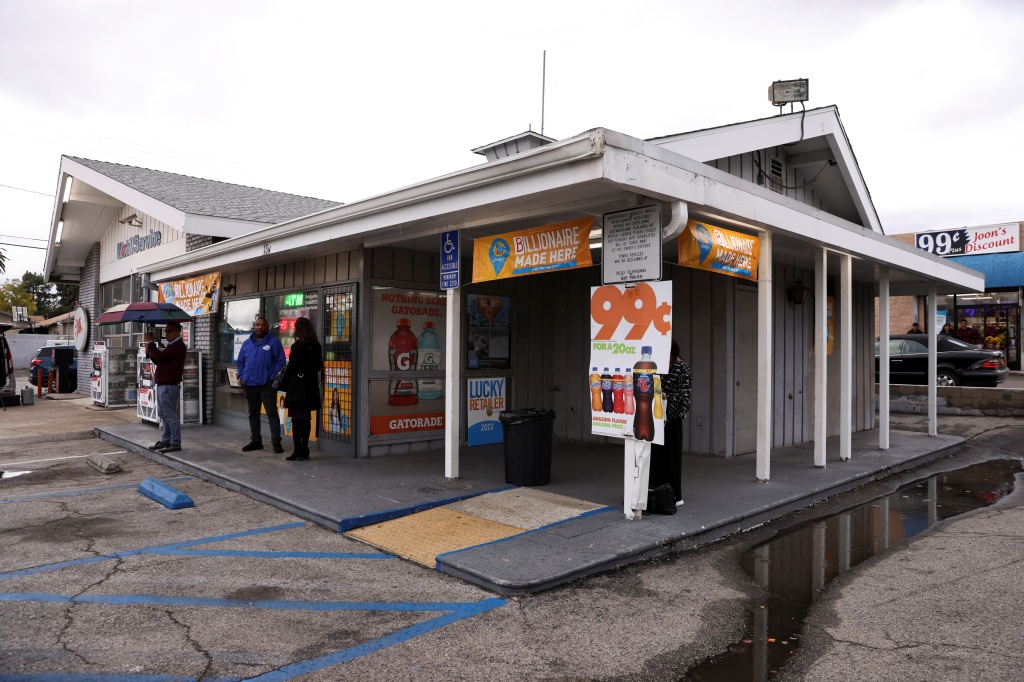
18, 236
24, 246
22, 189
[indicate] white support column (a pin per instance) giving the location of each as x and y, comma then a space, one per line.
453, 383
820, 355
933, 362
846, 358
764, 359
883, 359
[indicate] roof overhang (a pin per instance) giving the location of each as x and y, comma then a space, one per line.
591, 174
94, 202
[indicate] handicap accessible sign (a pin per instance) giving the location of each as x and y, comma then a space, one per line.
486, 401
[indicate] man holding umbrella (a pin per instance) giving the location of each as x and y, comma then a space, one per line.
260, 359
170, 365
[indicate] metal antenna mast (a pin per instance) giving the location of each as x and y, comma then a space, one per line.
543, 86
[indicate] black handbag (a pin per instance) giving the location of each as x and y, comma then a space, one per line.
280, 382
661, 500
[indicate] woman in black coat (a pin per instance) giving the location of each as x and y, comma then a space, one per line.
302, 386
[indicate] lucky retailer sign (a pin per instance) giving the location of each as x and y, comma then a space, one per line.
630, 343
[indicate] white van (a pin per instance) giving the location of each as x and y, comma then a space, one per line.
8, 387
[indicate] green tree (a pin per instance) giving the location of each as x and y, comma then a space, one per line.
12, 294
42, 293
67, 296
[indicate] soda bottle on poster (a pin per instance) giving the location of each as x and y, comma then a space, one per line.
595, 390
428, 357
619, 404
627, 394
607, 397
402, 358
644, 372
659, 411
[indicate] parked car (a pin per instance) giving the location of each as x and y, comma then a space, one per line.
42, 362
8, 387
958, 362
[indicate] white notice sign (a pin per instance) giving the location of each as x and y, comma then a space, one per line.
631, 246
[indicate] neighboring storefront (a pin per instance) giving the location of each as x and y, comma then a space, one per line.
995, 314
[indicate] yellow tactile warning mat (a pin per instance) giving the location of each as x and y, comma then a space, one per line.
422, 536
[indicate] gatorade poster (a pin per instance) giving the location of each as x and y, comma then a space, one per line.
486, 399
409, 331
559, 246
630, 343
706, 247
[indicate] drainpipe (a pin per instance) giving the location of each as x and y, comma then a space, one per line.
680, 215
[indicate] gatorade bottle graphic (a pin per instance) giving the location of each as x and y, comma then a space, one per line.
644, 373
659, 411
627, 394
428, 357
617, 389
595, 390
402, 358
607, 398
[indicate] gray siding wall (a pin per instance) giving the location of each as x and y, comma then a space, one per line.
743, 166
89, 298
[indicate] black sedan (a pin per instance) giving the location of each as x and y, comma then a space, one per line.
958, 362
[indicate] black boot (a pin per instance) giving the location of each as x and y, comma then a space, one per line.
300, 431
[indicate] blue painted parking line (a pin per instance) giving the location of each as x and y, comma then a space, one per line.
88, 490
454, 612
273, 555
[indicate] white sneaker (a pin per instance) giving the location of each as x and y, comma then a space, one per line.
679, 503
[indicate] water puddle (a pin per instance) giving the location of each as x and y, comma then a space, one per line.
12, 474
796, 566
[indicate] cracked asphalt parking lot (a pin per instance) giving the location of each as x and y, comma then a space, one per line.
98, 579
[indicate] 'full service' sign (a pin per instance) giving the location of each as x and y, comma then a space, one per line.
969, 241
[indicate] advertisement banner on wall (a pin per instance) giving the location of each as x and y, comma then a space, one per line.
338, 397
409, 329
706, 247
970, 240
486, 399
195, 295
489, 330
630, 343
286, 421
559, 246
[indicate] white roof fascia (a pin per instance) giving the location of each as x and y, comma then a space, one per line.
167, 215
742, 138
529, 172
219, 227
58, 208
650, 169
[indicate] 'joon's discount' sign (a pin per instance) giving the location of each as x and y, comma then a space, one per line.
968, 241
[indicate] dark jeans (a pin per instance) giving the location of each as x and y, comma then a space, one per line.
265, 395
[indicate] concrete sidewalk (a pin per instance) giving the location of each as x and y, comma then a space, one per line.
721, 496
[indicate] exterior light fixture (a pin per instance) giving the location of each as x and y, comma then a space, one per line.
787, 92
60, 233
67, 190
131, 221
798, 292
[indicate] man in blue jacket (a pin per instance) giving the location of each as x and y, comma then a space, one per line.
259, 360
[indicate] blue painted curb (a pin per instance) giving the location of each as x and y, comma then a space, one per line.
165, 494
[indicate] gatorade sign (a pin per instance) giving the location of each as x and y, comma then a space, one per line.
560, 246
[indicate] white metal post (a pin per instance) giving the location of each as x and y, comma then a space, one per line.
933, 362
883, 359
820, 355
453, 384
846, 359
764, 359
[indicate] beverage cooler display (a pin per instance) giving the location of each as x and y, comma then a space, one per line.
112, 380
191, 394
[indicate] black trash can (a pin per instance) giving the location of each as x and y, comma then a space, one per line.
527, 435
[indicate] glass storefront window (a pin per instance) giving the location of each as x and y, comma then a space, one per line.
119, 292
283, 310
236, 318
995, 316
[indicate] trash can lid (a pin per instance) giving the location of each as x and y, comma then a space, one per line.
527, 414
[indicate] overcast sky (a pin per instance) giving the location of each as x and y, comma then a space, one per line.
343, 101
